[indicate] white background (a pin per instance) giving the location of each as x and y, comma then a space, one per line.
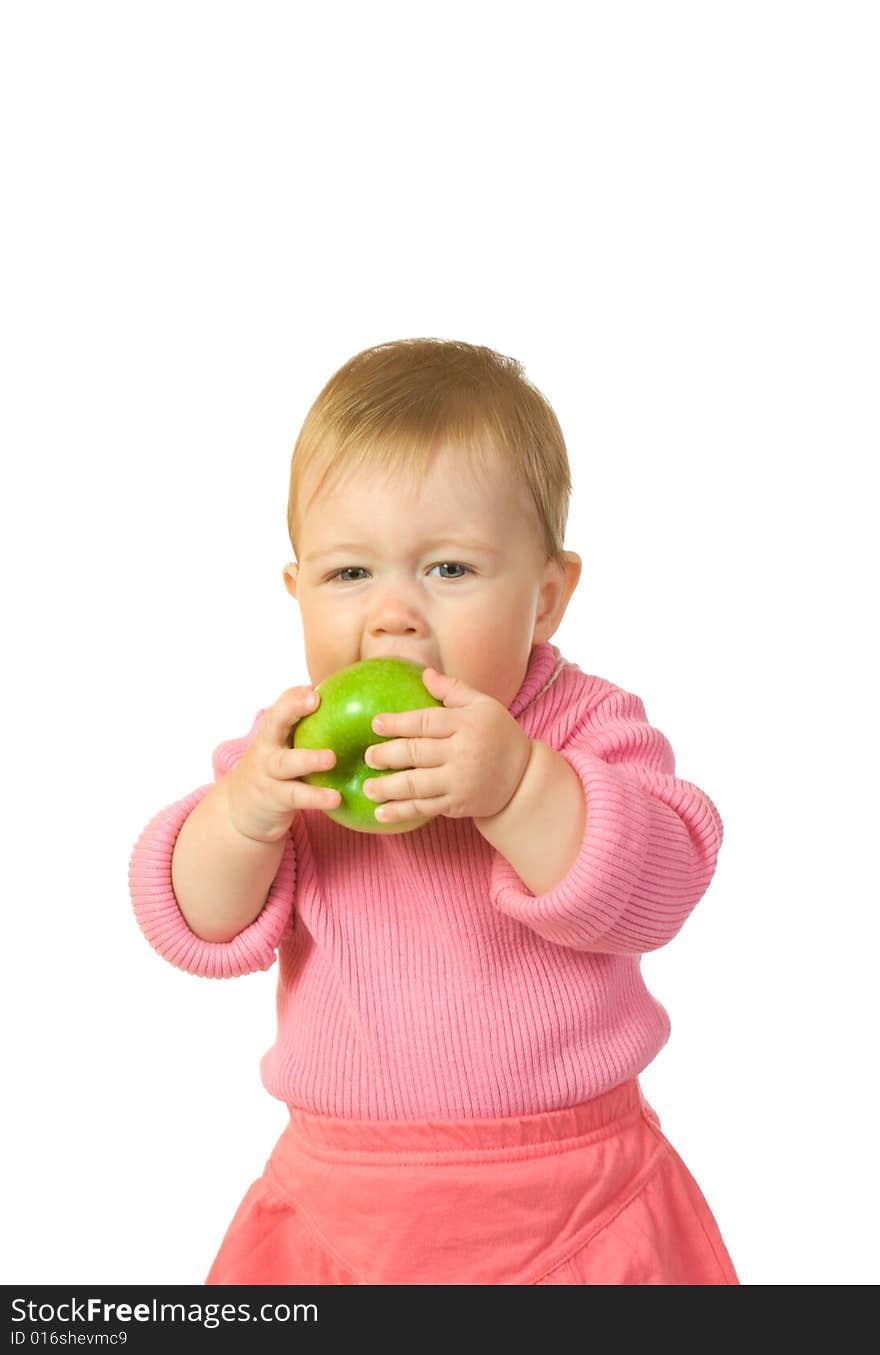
669, 213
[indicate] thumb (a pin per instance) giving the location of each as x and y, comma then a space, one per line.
451, 691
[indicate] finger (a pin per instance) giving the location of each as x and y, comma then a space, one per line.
429, 722
286, 763
415, 784
287, 711
406, 753
305, 796
399, 811
452, 691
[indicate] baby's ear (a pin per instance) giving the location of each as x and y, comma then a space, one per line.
560, 582
290, 574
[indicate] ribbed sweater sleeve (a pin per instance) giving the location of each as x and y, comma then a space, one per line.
650, 843
158, 913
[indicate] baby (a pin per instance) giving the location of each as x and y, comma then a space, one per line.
461, 1014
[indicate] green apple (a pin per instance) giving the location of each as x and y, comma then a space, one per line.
343, 721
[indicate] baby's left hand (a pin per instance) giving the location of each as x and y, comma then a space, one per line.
464, 759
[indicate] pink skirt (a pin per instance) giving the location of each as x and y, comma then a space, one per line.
593, 1194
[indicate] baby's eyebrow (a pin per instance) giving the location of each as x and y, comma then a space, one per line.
356, 547
343, 548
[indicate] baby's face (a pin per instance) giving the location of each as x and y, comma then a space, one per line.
451, 574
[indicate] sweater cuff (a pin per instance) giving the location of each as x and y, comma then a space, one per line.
596, 906
162, 923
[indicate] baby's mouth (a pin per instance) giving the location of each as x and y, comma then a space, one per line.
400, 654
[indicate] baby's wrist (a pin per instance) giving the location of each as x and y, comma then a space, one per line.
512, 799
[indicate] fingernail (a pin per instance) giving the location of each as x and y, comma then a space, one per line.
378, 725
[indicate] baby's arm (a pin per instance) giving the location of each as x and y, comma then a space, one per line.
647, 851
541, 830
220, 877
201, 870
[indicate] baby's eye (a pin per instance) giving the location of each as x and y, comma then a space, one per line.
453, 564
344, 575
349, 569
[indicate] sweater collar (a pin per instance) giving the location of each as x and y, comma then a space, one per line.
545, 665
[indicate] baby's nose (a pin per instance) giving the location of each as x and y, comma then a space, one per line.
396, 619
398, 609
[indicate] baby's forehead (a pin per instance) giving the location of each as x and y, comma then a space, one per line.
448, 500
449, 465
475, 487
477, 480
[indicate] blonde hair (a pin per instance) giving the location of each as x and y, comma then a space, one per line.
390, 407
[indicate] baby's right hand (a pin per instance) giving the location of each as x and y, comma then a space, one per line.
263, 793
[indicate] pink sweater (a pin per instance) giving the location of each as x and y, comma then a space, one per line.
419, 978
